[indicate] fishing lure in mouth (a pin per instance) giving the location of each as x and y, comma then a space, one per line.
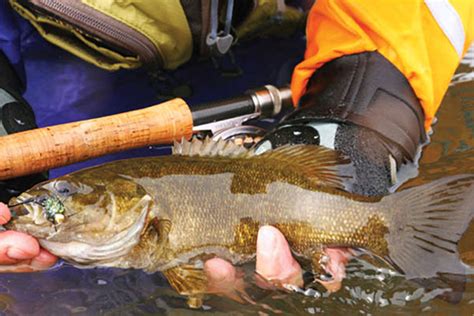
53, 208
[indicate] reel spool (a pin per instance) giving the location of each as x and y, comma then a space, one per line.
245, 135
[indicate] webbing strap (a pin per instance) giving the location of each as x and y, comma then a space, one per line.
214, 19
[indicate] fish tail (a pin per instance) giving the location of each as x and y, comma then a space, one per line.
425, 224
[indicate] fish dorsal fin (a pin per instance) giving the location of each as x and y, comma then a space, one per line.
210, 148
322, 165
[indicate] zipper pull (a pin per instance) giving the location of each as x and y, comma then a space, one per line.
220, 42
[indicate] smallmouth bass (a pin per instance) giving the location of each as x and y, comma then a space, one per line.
171, 213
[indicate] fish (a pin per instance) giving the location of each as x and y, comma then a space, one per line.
209, 199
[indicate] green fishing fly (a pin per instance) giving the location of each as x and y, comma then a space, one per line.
54, 210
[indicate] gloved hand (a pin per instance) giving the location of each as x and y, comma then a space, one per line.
364, 107
15, 116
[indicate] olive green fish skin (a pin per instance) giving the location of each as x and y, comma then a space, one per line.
211, 212
208, 206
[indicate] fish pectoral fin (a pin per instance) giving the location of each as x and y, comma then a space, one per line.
190, 281
162, 227
187, 279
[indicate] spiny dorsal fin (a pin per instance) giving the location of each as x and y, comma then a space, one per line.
323, 166
210, 148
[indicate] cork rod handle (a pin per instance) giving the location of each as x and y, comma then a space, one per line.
50, 147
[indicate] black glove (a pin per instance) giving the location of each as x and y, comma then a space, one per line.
15, 116
364, 107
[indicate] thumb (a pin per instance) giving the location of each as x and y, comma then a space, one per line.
274, 258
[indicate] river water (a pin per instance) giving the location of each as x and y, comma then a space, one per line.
369, 288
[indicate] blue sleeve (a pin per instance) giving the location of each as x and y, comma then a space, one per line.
11, 29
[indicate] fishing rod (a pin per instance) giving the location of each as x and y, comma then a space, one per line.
50, 147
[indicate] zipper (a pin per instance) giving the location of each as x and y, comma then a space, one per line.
98, 25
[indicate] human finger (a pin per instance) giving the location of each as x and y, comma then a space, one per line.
5, 215
224, 279
274, 259
16, 247
336, 266
43, 260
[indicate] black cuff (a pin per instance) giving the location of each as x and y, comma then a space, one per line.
8, 78
367, 90
15, 113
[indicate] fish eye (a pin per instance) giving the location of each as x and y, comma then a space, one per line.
64, 188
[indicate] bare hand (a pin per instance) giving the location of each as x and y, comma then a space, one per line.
275, 264
20, 252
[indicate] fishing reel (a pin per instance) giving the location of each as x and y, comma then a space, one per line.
246, 135
246, 119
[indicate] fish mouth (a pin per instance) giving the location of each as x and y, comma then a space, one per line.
19, 205
25, 209
28, 217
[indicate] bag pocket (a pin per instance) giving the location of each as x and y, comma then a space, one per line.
113, 34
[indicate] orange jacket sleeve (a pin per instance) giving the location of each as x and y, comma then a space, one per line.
425, 40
